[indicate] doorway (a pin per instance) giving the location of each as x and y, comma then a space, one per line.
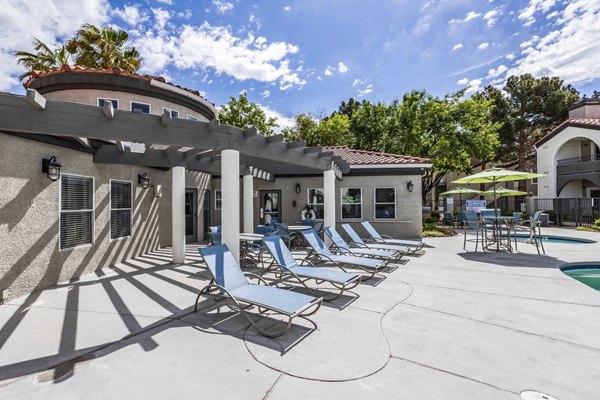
191, 215
205, 214
270, 206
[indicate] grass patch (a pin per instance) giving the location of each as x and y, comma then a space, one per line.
588, 228
431, 230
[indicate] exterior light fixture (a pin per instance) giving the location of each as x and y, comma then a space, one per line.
144, 180
410, 186
298, 187
51, 166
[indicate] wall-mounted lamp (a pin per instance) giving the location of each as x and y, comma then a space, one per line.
144, 180
298, 187
410, 186
51, 166
530, 193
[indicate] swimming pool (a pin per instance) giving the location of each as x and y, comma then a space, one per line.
587, 273
556, 239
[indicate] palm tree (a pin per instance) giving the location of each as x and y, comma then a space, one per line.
103, 48
43, 59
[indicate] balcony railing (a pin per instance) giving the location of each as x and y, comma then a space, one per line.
577, 160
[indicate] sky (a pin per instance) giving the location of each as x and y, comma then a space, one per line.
306, 56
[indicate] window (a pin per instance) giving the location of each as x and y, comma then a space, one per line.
174, 113
217, 199
140, 108
114, 102
316, 200
385, 203
351, 203
76, 211
120, 209
192, 118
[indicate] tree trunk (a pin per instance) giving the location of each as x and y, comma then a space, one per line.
522, 153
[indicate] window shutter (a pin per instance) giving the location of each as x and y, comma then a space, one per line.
120, 209
77, 214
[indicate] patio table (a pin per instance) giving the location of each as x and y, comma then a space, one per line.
498, 240
246, 240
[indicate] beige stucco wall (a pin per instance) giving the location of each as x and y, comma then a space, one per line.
560, 147
407, 224
30, 258
91, 96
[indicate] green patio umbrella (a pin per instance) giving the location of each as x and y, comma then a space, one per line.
495, 175
502, 192
460, 191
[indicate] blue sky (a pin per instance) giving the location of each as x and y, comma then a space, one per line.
296, 56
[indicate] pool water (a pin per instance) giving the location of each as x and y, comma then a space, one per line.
556, 239
588, 274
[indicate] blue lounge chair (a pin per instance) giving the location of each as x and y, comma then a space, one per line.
361, 243
344, 248
232, 285
285, 264
321, 253
283, 231
414, 245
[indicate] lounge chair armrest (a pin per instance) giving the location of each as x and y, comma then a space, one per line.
347, 252
386, 237
308, 262
357, 244
259, 278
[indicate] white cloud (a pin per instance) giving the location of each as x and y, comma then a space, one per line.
342, 68
287, 8
494, 73
328, 71
187, 14
253, 19
571, 51
217, 48
483, 46
265, 94
492, 16
282, 121
169, 2
21, 24
222, 6
527, 14
161, 16
471, 15
473, 86
130, 14
463, 81
357, 82
510, 56
457, 47
365, 91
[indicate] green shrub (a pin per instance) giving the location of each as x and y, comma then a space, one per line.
431, 220
597, 222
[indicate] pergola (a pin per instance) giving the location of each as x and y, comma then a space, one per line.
178, 144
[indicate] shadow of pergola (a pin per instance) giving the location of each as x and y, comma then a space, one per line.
156, 265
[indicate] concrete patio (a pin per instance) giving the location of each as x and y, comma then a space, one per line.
447, 324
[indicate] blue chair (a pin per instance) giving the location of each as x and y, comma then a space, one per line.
535, 230
285, 264
214, 234
309, 222
415, 245
320, 252
472, 222
340, 246
283, 231
448, 218
232, 285
356, 240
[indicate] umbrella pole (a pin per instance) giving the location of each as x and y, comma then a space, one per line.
460, 201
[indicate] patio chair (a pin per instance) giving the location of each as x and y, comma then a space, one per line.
340, 246
283, 231
448, 218
414, 245
214, 235
322, 253
356, 240
535, 230
284, 263
232, 285
472, 222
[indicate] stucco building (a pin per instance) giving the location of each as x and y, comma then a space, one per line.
146, 164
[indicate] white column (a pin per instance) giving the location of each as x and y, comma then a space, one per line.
329, 194
230, 203
178, 214
248, 198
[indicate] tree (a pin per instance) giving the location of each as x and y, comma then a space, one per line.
43, 59
528, 108
103, 47
369, 124
450, 131
330, 131
303, 129
243, 113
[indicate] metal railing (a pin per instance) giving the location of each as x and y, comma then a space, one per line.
570, 211
577, 160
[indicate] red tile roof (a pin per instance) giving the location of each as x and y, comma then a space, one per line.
593, 123
363, 157
114, 70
